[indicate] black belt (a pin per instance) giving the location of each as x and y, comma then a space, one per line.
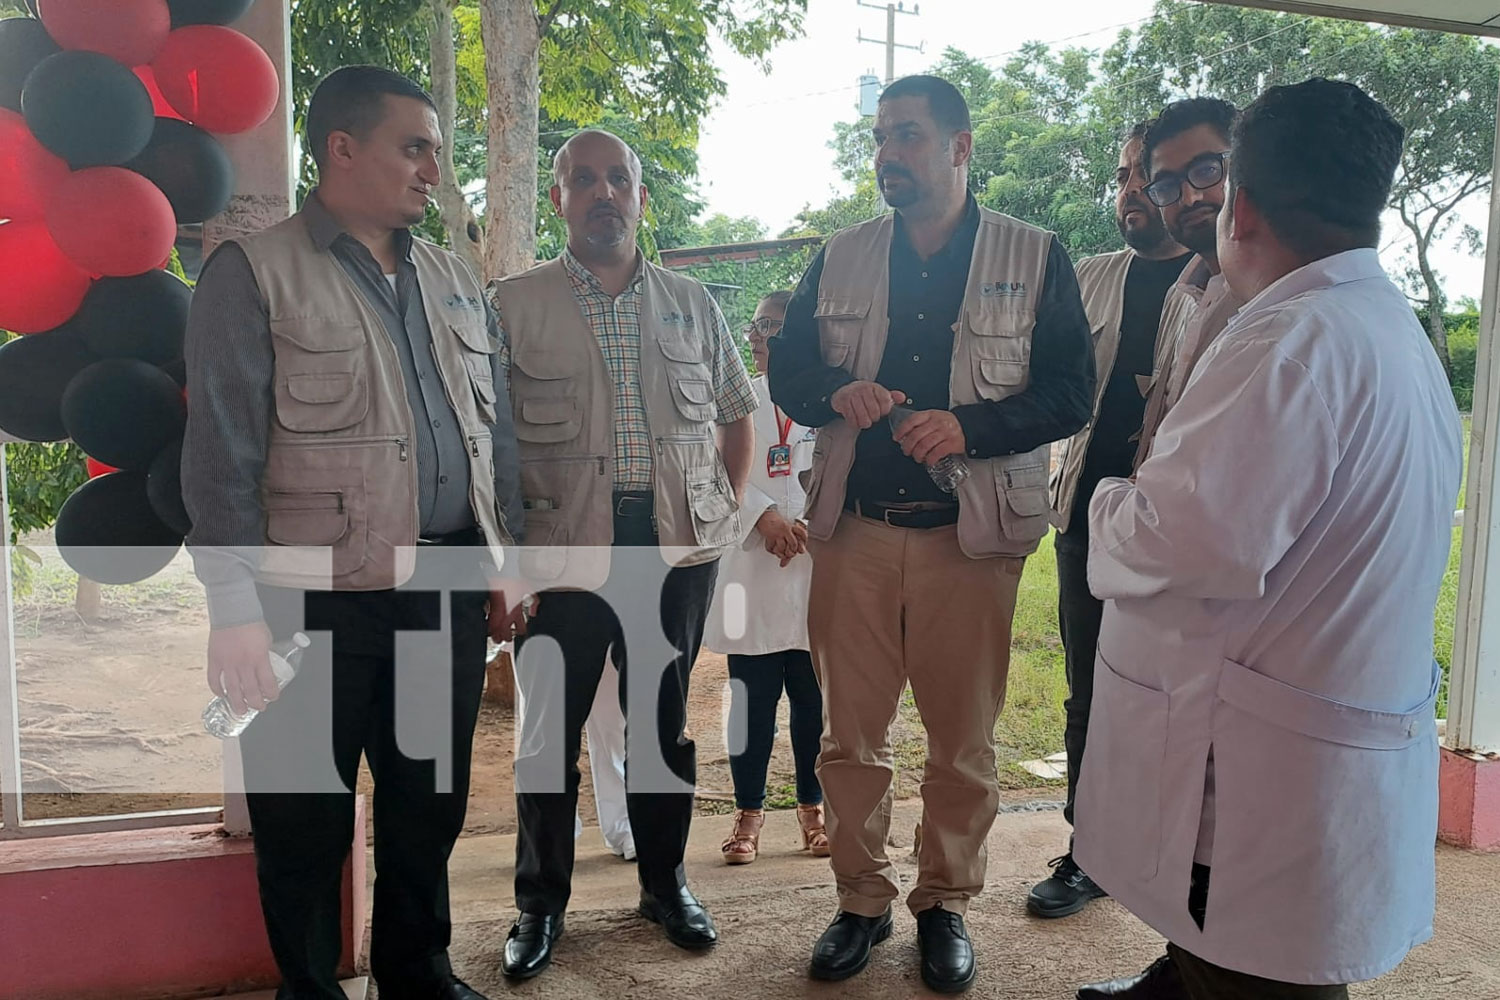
634, 504
908, 515
467, 536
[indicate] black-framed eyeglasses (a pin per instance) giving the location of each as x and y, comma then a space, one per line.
1202, 173
765, 326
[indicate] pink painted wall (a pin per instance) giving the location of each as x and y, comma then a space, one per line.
145, 914
1469, 801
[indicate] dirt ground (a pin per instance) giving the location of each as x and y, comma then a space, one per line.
109, 710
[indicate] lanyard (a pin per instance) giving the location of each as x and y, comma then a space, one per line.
783, 426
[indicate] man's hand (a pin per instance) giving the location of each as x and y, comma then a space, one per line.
930, 435
239, 666
864, 403
783, 538
508, 608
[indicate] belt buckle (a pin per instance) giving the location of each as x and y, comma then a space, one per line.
886, 516
624, 502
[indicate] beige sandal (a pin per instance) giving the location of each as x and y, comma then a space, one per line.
814, 833
743, 843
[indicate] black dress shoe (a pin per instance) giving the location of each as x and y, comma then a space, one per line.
1160, 981
947, 955
845, 946
1063, 893
685, 920
528, 946
457, 989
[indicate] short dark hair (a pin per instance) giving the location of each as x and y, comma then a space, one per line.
1137, 131
351, 100
780, 298
1181, 116
949, 109
1318, 159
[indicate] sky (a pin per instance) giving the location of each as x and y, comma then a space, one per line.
763, 152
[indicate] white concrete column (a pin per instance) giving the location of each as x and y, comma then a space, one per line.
1474, 688
265, 164
264, 158
10, 731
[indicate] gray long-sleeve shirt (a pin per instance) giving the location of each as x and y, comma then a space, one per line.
230, 364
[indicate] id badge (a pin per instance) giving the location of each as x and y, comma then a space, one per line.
779, 460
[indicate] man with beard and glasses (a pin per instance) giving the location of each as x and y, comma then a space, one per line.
622, 377
971, 320
1123, 295
1186, 158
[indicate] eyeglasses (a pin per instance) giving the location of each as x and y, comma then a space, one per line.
1202, 173
765, 326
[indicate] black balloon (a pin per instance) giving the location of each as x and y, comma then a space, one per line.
88, 109
123, 412
164, 488
108, 533
190, 167
23, 44
207, 11
34, 372
177, 370
144, 317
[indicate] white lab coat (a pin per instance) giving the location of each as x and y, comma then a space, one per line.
1270, 581
760, 606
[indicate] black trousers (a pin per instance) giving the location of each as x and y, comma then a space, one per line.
303, 831
1078, 617
764, 676
1206, 981
587, 630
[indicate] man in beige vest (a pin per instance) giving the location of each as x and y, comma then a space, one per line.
346, 430
1185, 153
622, 376
1123, 294
972, 320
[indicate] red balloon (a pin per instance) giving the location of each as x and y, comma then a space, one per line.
217, 78
111, 221
51, 287
97, 468
159, 104
128, 31
29, 172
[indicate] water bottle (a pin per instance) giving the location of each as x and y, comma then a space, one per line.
947, 472
220, 720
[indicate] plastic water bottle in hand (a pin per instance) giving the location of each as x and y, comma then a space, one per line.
220, 720
947, 472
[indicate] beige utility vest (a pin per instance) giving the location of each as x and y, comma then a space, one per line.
340, 478
1003, 503
563, 398
1101, 280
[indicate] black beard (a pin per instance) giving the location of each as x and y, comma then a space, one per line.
1145, 241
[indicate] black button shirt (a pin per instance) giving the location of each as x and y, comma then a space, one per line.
925, 299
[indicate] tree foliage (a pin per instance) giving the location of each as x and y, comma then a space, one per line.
1047, 123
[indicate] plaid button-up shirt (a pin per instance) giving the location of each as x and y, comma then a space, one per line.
616, 322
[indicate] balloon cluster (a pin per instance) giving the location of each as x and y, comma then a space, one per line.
108, 110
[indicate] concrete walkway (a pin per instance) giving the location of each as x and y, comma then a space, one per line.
770, 913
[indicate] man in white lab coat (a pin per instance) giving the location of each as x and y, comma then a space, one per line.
1261, 782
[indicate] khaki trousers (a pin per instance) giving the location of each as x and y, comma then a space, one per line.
888, 606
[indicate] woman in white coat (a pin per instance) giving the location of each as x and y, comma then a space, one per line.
759, 617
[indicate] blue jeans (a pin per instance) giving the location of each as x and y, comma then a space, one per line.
763, 678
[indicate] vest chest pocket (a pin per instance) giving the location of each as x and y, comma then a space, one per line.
544, 393
478, 357
320, 380
548, 421
841, 322
999, 346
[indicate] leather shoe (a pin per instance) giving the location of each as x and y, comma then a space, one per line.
685, 920
947, 955
457, 989
844, 948
528, 946
1066, 891
1160, 981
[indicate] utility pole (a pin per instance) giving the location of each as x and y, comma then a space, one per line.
889, 41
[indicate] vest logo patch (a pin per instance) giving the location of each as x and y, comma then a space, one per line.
1003, 290
460, 301
684, 320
